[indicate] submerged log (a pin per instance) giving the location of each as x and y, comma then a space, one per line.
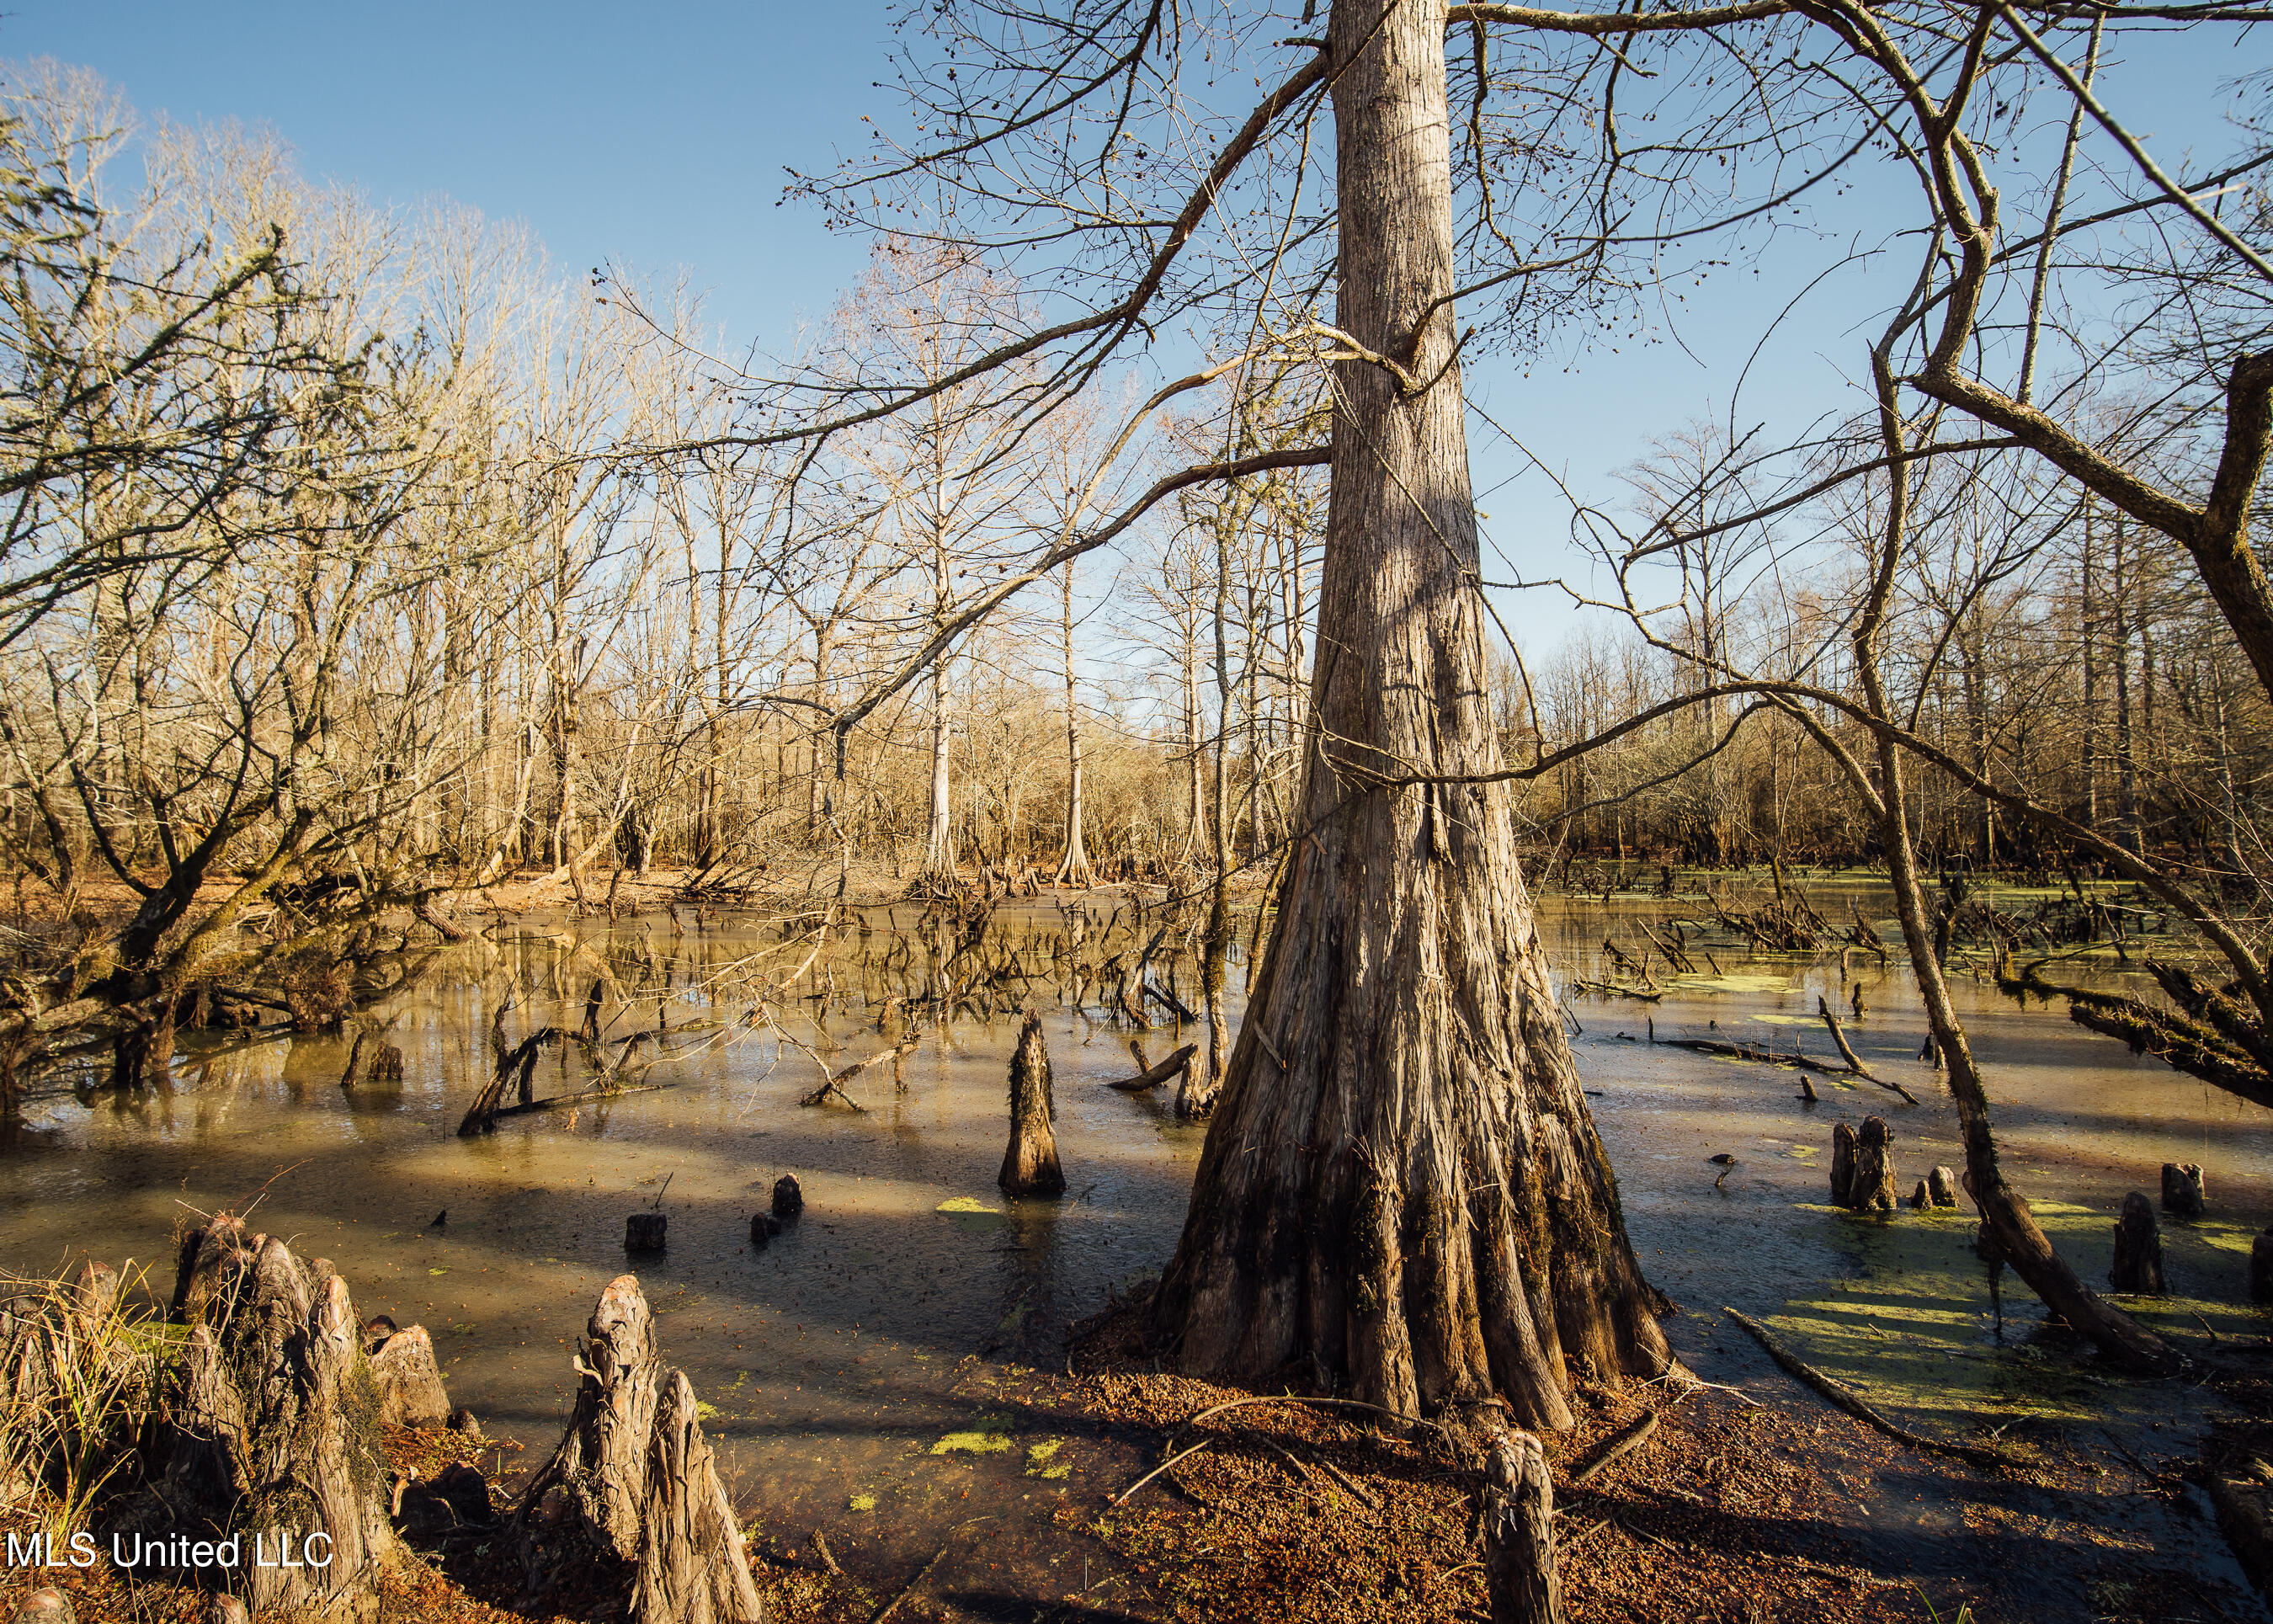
1847, 1399
1030, 1164
634, 1483
1519, 1515
2182, 1189
1153, 1077
2138, 1266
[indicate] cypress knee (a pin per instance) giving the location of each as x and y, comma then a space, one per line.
2138, 1248
1842, 1164
1518, 1513
1941, 1183
1872, 1189
1030, 1166
2182, 1189
789, 1200
632, 1496
646, 1231
274, 1388
2260, 1268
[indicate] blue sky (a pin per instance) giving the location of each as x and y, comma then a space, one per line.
657, 138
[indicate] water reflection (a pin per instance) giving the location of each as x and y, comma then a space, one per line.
839, 1357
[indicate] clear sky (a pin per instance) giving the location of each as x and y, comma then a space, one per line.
656, 137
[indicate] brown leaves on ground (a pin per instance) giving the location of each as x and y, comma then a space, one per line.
1710, 1520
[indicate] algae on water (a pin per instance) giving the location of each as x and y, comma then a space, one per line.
977, 1442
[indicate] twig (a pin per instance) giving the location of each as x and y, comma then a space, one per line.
1628, 1439
1295, 1398
893, 1605
1157, 1471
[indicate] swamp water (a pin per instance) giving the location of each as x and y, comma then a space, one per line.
861, 1374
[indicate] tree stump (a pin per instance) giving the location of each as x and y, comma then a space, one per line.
646, 1231
634, 1483
2182, 1189
1872, 1187
1029, 1165
409, 1382
1941, 1183
1518, 1512
1842, 1164
272, 1424
2260, 1268
2138, 1248
789, 1200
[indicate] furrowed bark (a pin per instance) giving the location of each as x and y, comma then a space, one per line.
1416, 1209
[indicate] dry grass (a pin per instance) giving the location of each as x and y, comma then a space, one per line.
80, 1371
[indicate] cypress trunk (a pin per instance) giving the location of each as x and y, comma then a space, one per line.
1413, 1208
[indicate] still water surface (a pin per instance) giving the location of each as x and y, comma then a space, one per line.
856, 1364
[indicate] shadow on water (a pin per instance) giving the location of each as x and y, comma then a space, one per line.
865, 1372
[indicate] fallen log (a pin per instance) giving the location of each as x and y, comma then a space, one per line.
1628, 1439
1839, 1038
1752, 1052
586, 1097
1161, 1074
1847, 1399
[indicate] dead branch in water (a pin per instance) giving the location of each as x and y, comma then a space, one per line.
1159, 1074
1846, 1398
835, 1084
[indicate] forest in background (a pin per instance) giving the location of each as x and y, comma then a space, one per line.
363, 576
1119, 525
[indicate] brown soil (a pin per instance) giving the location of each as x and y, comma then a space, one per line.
1731, 1511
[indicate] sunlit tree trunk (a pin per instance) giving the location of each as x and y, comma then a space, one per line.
1073, 869
1415, 1208
938, 844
